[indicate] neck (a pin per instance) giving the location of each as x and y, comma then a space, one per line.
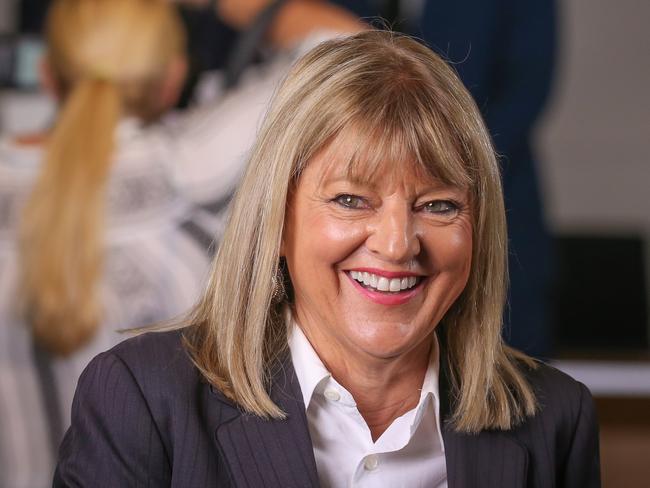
385, 391
383, 388
380, 415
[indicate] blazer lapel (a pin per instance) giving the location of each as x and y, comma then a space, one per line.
488, 459
261, 452
484, 460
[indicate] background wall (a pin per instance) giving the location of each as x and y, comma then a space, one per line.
595, 138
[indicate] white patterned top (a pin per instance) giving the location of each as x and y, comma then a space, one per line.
167, 197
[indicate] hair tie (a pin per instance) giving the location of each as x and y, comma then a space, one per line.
100, 72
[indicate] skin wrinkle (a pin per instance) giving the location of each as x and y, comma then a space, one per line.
377, 352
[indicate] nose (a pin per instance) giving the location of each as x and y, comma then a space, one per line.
392, 234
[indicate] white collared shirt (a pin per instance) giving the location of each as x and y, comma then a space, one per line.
410, 453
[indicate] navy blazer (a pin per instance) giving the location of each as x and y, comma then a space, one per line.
142, 416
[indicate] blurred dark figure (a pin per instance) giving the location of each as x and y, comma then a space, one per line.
504, 52
32, 15
210, 41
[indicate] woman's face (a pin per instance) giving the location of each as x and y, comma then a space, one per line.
376, 265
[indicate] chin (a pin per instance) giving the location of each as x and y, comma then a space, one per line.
378, 343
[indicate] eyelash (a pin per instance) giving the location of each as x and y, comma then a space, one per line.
340, 200
452, 206
344, 199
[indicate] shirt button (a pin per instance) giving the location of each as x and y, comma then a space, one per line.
332, 395
371, 462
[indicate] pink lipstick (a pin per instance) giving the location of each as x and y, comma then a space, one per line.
386, 287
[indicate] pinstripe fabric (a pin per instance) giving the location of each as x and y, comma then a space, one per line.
280, 451
143, 417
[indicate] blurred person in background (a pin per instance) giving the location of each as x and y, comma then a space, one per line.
106, 220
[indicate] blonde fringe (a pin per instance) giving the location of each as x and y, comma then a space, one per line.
63, 222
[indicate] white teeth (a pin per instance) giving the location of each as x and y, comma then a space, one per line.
373, 280
382, 284
395, 284
366, 279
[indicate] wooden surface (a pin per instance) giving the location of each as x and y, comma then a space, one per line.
624, 441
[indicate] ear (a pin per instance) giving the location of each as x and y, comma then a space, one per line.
47, 78
172, 82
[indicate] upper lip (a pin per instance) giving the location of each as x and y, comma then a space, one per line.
385, 273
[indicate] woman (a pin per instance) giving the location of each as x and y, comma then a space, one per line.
106, 220
350, 333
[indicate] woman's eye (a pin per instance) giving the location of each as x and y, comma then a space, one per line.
350, 201
441, 207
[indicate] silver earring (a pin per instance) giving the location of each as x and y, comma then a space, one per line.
279, 293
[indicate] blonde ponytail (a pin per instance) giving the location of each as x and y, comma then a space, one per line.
107, 58
62, 227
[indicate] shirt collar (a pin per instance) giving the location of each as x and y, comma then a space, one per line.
310, 370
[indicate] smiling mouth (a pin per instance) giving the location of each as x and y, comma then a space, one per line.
377, 283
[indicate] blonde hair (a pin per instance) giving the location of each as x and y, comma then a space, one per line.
106, 55
400, 99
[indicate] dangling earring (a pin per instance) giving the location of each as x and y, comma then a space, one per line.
279, 293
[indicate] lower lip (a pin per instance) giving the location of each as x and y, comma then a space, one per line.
392, 298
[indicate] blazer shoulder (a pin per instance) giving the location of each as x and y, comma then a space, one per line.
143, 415
554, 387
562, 437
153, 351
159, 363
564, 403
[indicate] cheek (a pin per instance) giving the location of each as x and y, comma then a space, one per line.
335, 240
317, 242
451, 250
461, 247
